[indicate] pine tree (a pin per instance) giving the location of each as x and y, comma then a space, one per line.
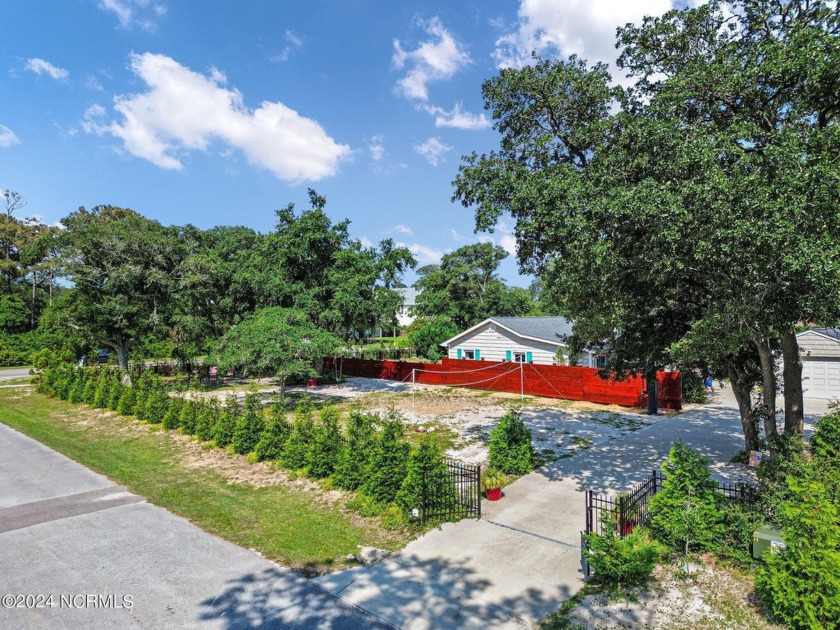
387, 468
125, 407
326, 445
187, 417
143, 387
207, 416
156, 406
228, 418
173, 413
77, 389
355, 453
511, 450
116, 390
296, 454
91, 383
427, 486
250, 426
273, 440
103, 390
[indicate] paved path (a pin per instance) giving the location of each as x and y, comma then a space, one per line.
8, 374
522, 560
66, 531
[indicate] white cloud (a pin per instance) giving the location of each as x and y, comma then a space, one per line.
433, 150
508, 242
366, 243
131, 13
435, 59
376, 148
183, 110
40, 66
403, 229
457, 118
423, 253
584, 27
293, 42
92, 83
7, 137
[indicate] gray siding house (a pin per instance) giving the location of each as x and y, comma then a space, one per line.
519, 339
819, 349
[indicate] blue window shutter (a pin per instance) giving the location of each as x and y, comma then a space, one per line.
477, 354
460, 354
508, 355
529, 357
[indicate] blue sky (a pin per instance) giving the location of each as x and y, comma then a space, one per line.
218, 113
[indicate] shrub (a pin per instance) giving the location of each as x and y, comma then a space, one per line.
77, 389
492, 479
143, 388
172, 416
693, 388
296, 455
250, 426
511, 450
156, 406
790, 460
326, 444
273, 440
686, 513
226, 425
739, 523
801, 584
187, 417
117, 389
621, 562
103, 390
206, 418
355, 452
91, 383
825, 442
125, 407
427, 483
387, 467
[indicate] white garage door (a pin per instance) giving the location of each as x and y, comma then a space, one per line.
821, 378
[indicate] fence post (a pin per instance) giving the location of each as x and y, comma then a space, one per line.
655, 482
478, 488
622, 515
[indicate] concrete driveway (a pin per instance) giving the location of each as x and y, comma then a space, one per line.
111, 560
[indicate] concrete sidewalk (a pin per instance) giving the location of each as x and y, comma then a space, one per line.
110, 560
522, 559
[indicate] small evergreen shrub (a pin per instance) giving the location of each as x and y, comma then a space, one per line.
171, 417
157, 404
326, 444
116, 391
388, 463
125, 407
686, 513
296, 455
511, 450
250, 426
103, 390
77, 389
825, 441
226, 425
621, 562
272, 442
91, 383
187, 417
801, 584
143, 388
427, 483
354, 456
206, 418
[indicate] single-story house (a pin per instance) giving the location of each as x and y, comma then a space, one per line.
819, 349
518, 339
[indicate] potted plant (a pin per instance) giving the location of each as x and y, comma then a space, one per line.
492, 482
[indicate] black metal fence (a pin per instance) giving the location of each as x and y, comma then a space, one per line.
453, 495
631, 509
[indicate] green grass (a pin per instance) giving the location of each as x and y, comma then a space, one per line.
284, 522
16, 381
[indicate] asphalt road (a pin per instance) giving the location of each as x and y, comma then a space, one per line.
77, 551
8, 374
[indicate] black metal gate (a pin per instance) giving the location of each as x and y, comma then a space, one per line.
453, 495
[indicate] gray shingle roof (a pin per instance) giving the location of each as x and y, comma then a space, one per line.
553, 329
834, 333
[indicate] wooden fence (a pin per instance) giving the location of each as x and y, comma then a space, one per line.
551, 381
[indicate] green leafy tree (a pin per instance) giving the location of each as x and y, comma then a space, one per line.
427, 334
388, 463
296, 453
466, 288
277, 341
511, 450
427, 484
354, 457
326, 445
686, 512
249, 427
825, 441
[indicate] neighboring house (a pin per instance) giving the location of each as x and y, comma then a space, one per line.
404, 314
518, 339
820, 352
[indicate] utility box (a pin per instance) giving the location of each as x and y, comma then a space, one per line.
767, 538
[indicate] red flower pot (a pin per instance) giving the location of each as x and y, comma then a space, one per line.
494, 494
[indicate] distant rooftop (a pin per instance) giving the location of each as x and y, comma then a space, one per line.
834, 333
409, 295
553, 329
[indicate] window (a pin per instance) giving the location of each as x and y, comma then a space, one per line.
602, 361
469, 354
519, 357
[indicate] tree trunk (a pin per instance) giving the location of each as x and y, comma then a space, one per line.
792, 379
122, 354
768, 380
32, 310
652, 392
748, 424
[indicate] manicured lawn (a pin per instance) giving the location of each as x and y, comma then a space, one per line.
288, 523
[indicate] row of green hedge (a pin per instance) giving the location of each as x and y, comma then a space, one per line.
370, 456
